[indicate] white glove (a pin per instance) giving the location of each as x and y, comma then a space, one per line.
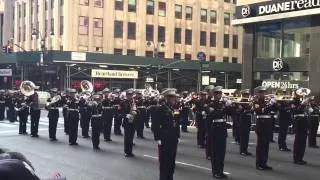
310, 110
228, 103
159, 142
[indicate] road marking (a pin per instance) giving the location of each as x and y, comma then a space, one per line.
16, 131
186, 164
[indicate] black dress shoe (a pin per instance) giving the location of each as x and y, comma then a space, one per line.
128, 155
220, 176
200, 146
263, 168
314, 146
246, 154
285, 149
73, 144
34, 135
25, 133
108, 140
53, 139
267, 167
87, 136
140, 137
272, 141
302, 162
208, 157
96, 148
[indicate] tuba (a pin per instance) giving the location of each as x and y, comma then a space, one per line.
86, 86
27, 88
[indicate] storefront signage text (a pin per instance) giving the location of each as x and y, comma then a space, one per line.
280, 85
101, 73
78, 56
5, 72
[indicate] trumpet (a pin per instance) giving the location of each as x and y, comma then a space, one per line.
54, 100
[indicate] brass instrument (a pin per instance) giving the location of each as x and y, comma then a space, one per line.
86, 86
133, 112
54, 100
27, 88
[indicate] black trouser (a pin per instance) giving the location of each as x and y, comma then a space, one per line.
2, 110
73, 119
218, 133
236, 128
284, 122
140, 118
85, 123
208, 140
53, 122
65, 119
96, 125
245, 125
129, 130
147, 119
23, 118
273, 121
263, 128
167, 157
201, 129
313, 129
11, 114
107, 117
117, 124
184, 120
300, 140
35, 117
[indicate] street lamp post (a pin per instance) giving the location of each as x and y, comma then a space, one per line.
35, 33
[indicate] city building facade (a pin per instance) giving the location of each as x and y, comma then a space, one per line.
281, 39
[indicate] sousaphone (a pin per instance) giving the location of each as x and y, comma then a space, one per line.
27, 88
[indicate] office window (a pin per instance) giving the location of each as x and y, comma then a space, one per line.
98, 3
117, 51
32, 5
37, 8
213, 17
24, 33
84, 2
177, 35
203, 15
118, 5
61, 48
149, 32
187, 57
226, 18
46, 5
161, 55
161, 34
83, 48
99, 49
234, 60
118, 29
131, 52
149, 53
226, 41
19, 11
178, 11
52, 26
45, 27
132, 6
52, 4
61, 25
83, 25
213, 39
61, 2
227, 1
162, 9
188, 38
225, 59
235, 42
150, 7
177, 56
98, 27
19, 34
24, 10
203, 38
212, 58
131, 30
234, 1
188, 13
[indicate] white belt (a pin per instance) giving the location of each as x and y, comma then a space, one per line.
218, 120
96, 115
2, 102
263, 116
104, 107
73, 110
141, 107
53, 108
299, 115
315, 115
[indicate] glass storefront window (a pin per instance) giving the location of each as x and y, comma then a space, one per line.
281, 76
269, 40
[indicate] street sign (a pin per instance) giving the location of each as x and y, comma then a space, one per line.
213, 80
201, 56
239, 81
205, 80
149, 79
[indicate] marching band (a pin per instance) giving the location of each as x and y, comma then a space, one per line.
168, 111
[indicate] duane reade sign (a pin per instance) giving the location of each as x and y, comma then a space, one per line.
286, 6
114, 74
279, 85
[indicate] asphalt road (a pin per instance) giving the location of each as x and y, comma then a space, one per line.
83, 163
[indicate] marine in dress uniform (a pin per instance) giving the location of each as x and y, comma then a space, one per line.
167, 133
35, 112
313, 124
285, 119
10, 103
64, 100
217, 110
73, 118
85, 115
185, 106
153, 106
201, 115
117, 115
129, 112
245, 109
53, 113
23, 112
209, 90
96, 119
141, 114
300, 113
263, 128
2, 104
235, 116
107, 115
